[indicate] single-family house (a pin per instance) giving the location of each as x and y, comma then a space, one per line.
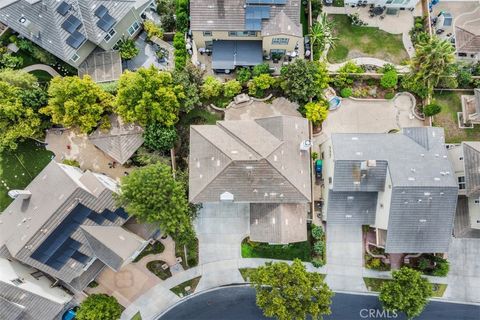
401, 184
471, 109
264, 163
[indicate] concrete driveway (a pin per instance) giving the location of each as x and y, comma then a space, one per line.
221, 227
344, 257
464, 276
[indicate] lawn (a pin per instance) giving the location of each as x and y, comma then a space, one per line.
180, 289
19, 167
42, 76
300, 250
137, 316
375, 284
338, 3
155, 267
355, 41
447, 118
155, 248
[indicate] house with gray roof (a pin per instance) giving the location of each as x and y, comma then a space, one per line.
262, 162
242, 32
65, 226
471, 109
465, 159
72, 29
401, 184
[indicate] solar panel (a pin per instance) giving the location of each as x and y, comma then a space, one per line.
95, 217
63, 8
253, 24
75, 40
106, 22
109, 215
121, 213
257, 12
101, 11
266, 1
80, 257
71, 24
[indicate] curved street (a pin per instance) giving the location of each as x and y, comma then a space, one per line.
238, 303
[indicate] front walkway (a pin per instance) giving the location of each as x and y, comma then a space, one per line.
42, 67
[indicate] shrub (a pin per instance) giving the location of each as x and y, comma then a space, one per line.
319, 248
10, 61
243, 75
318, 262
258, 85
168, 22
346, 75
152, 29
441, 267
36, 52
375, 263
389, 79
231, 88
464, 78
182, 22
99, 306
314, 156
423, 264
317, 231
346, 92
127, 48
259, 69
431, 109
211, 88
180, 51
389, 95
159, 137
71, 162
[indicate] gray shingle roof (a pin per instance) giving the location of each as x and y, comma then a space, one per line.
352, 207
424, 188
252, 159
211, 15
282, 24
119, 142
278, 223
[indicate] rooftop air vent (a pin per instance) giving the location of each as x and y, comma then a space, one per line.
19, 194
305, 145
226, 196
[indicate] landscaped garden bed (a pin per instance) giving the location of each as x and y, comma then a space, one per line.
375, 284
430, 264
373, 262
450, 102
360, 41
155, 267
191, 260
180, 289
155, 248
20, 166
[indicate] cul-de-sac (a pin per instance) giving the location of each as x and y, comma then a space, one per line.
239, 159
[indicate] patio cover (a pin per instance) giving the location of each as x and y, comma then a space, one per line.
104, 66
228, 54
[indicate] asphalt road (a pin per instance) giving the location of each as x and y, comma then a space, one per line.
238, 303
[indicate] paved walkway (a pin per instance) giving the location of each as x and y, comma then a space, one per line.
367, 61
408, 44
279, 106
42, 67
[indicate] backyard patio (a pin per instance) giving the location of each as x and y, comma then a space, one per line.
156, 52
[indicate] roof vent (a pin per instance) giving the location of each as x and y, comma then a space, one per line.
411, 179
355, 138
226, 196
422, 220
305, 145
19, 194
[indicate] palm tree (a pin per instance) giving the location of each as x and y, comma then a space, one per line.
321, 34
434, 58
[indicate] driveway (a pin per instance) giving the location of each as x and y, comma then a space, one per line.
221, 227
344, 257
464, 276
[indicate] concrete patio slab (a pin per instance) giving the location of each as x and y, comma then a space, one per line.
277, 107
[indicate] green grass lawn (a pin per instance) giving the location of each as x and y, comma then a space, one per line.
180, 289
338, 3
355, 41
19, 167
42, 76
451, 104
155, 267
137, 316
374, 284
300, 250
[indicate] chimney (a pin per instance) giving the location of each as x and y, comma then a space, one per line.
19, 194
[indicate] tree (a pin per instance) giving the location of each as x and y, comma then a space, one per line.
290, 292
243, 75
231, 88
8, 60
152, 29
180, 52
316, 112
99, 307
16, 120
158, 137
259, 69
258, 85
407, 292
321, 35
19, 78
434, 58
389, 79
76, 102
152, 195
128, 49
147, 96
211, 88
431, 109
302, 80
190, 78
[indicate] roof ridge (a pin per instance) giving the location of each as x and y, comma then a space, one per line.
237, 138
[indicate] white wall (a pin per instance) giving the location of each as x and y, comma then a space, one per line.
383, 204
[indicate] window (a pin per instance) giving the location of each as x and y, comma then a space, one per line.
17, 281
207, 33
278, 52
280, 41
117, 44
75, 57
242, 33
461, 183
133, 28
477, 201
109, 35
